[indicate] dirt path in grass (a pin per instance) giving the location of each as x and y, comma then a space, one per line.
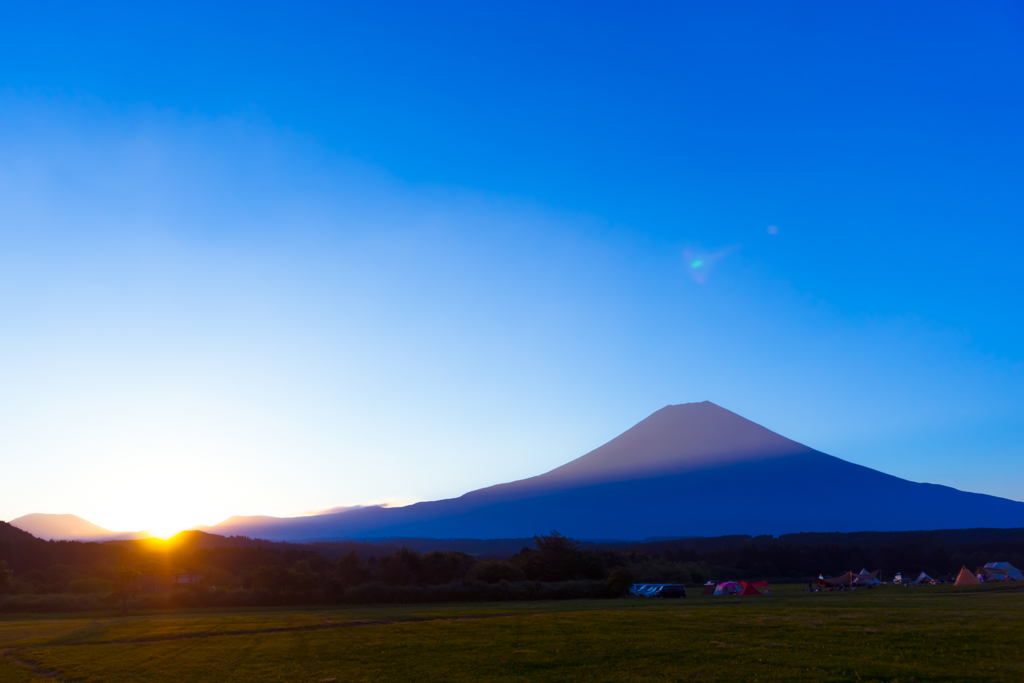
34, 671
14, 657
254, 632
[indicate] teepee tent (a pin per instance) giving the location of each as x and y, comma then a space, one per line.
966, 578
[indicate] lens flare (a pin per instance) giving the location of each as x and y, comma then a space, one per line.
700, 263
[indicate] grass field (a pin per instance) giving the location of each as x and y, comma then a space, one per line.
887, 634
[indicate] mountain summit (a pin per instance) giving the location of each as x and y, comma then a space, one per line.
674, 440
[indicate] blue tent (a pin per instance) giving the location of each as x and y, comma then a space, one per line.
658, 590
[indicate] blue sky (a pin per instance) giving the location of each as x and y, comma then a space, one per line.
265, 259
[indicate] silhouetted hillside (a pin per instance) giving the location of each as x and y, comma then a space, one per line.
10, 534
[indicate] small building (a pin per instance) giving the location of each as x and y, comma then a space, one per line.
185, 578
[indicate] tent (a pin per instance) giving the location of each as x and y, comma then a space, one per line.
658, 590
986, 574
924, 578
965, 578
1008, 569
709, 588
846, 579
748, 589
728, 588
866, 578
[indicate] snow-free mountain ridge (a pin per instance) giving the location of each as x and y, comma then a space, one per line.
692, 469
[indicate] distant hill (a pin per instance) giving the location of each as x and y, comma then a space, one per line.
687, 470
69, 528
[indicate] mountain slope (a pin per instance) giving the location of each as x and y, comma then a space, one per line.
693, 469
12, 534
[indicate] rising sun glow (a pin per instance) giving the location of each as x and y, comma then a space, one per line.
165, 531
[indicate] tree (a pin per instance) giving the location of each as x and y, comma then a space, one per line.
400, 568
6, 577
618, 582
126, 585
269, 577
559, 558
300, 577
444, 566
351, 570
493, 571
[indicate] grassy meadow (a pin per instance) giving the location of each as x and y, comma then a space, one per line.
940, 633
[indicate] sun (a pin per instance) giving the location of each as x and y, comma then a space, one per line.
165, 529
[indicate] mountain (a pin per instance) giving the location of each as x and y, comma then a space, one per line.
687, 470
69, 528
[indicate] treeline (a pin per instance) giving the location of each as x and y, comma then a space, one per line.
37, 574
555, 568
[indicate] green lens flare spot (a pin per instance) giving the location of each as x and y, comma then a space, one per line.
696, 263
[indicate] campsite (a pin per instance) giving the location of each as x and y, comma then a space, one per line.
998, 572
943, 633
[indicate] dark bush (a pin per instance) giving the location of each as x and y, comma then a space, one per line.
618, 582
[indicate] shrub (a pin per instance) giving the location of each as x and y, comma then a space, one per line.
618, 582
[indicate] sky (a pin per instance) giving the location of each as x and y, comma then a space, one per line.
271, 259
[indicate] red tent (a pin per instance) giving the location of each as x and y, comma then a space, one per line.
748, 589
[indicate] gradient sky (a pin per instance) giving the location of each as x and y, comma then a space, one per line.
259, 259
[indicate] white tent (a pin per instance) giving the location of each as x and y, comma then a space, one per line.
1011, 572
924, 578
